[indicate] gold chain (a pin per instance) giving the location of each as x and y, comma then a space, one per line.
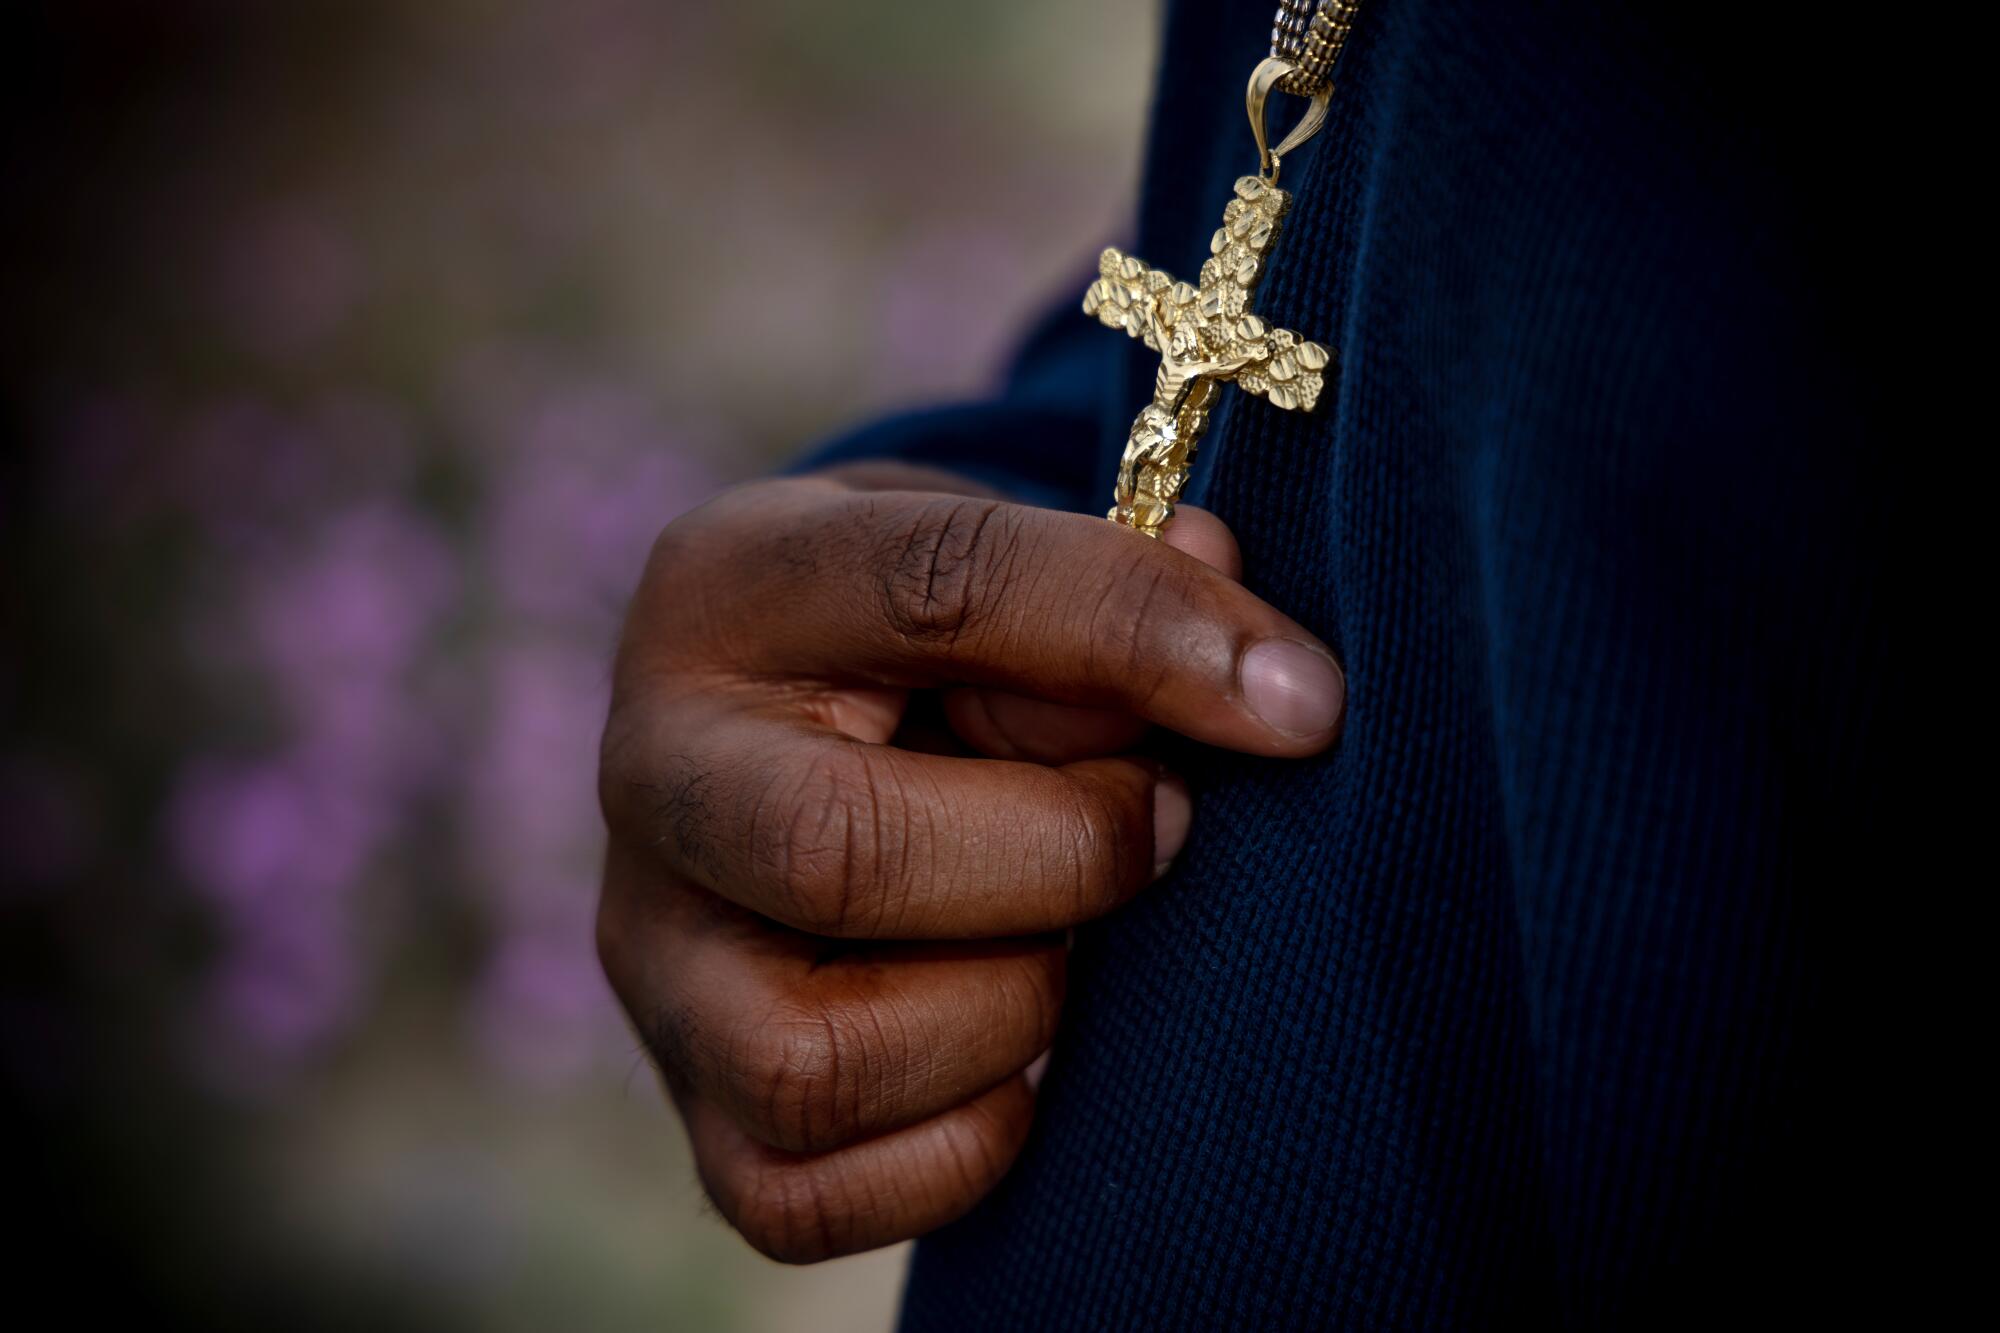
1308, 35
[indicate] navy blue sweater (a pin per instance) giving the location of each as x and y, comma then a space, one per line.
1507, 1011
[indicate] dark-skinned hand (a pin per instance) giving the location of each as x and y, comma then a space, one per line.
842, 947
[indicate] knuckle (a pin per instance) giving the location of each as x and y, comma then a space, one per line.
671, 1034
788, 1213
673, 807
1094, 860
722, 523
619, 763
811, 1078
828, 843
941, 562
674, 546
802, 845
1042, 996
684, 554
972, 1145
611, 936
699, 571
791, 1070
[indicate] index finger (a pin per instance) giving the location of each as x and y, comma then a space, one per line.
1002, 725
918, 589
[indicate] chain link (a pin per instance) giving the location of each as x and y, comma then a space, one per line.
1309, 34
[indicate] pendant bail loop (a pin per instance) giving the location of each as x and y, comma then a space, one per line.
1262, 80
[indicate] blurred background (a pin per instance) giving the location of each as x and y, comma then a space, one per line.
354, 353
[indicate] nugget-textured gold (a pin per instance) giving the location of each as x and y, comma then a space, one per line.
1204, 335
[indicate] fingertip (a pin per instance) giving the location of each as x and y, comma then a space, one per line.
1295, 689
1035, 1072
1173, 813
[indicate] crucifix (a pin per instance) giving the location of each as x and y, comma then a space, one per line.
1207, 336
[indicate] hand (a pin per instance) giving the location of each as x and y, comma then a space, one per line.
843, 953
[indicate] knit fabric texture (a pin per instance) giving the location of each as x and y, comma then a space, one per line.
1507, 1011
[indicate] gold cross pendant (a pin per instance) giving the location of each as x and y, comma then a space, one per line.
1207, 335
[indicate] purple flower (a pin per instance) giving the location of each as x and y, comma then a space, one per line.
279, 848
360, 598
341, 631
290, 979
541, 1011
529, 816
250, 834
583, 477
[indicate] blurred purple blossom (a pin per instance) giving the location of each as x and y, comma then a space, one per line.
268, 834
586, 483
541, 1011
336, 629
529, 802
291, 978
340, 624
404, 673
582, 473
279, 847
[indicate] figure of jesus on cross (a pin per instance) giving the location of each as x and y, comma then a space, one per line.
1205, 335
